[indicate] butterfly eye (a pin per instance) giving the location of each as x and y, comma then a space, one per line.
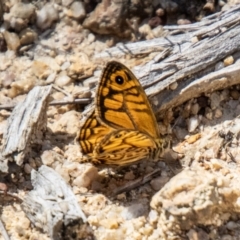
119, 80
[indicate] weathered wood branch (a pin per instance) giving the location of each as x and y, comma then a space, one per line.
53, 207
25, 125
188, 65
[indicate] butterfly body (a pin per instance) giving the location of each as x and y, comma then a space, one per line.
122, 129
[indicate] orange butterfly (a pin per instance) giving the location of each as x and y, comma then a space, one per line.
122, 129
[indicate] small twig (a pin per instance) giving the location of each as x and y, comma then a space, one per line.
3, 231
62, 91
138, 182
83, 101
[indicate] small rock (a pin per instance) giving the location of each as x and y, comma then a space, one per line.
43, 66
121, 196
221, 3
63, 80
86, 175
129, 176
227, 237
12, 40
65, 66
148, 169
22, 86
80, 70
235, 94
187, 108
3, 187
32, 163
67, 3
27, 36
173, 86
134, 211
48, 157
160, 12
109, 223
159, 182
214, 100
96, 186
159, 32
216, 164
107, 18
218, 113
169, 6
7, 79
77, 10
51, 78
67, 123
228, 61
91, 38
232, 225
153, 216
183, 22
198, 234
155, 21
209, 154
193, 123
41, 69
146, 31
209, 6
208, 113
224, 95
195, 108
194, 39
180, 132
47, 16
23, 10
27, 168
219, 65
233, 104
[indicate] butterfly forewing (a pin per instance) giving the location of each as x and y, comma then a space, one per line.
121, 102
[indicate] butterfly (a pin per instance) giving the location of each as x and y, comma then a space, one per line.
122, 129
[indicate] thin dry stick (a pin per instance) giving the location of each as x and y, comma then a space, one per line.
83, 101
62, 91
3, 231
138, 182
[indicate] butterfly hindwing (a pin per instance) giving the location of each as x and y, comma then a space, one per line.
121, 147
91, 133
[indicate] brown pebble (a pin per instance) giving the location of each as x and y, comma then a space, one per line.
3, 187
154, 22
12, 40
160, 12
235, 94
129, 176
173, 86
